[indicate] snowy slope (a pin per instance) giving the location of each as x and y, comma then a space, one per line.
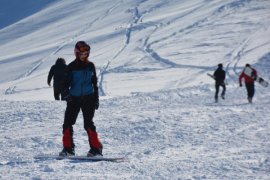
156, 104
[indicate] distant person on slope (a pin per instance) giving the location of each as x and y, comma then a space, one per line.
58, 72
83, 95
249, 74
220, 76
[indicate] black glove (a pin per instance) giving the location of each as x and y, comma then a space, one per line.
67, 97
97, 104
240, 85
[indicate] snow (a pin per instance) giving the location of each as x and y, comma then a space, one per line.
157, 103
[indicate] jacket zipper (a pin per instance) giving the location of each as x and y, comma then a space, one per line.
83, 81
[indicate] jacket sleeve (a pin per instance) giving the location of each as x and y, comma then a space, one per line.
67, 78
215, 75
94, 80
241, 77
50, 75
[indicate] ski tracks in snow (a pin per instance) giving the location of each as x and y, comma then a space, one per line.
82, 31
236, 56
165, 134
133, 26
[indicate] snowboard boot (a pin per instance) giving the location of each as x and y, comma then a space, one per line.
67, 152
94, 152
95, 144
222, 96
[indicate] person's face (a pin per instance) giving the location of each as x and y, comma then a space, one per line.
83, 55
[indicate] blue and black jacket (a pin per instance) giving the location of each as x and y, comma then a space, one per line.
82, 79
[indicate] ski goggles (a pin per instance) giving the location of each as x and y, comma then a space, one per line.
84, 49
84, 53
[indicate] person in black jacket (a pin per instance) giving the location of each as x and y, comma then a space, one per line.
83, 95
58, 72
220, 76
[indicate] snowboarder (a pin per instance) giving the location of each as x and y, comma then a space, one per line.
58, 72
83, 95
219, 76
249, 74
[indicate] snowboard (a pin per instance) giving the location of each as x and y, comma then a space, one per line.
81, 158
211, 75
262, 82
248, 71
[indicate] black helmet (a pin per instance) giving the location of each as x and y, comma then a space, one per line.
60, 61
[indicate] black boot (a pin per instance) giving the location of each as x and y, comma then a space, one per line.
67, 152
94, 152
